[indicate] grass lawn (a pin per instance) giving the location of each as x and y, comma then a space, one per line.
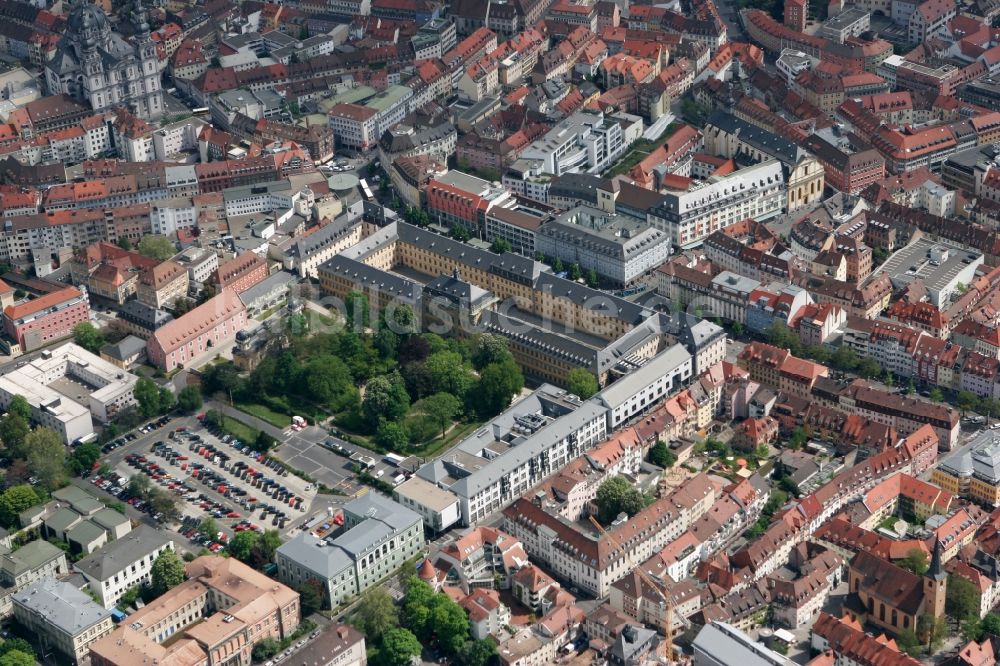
640, 149
265, 413
240, 431
454, 435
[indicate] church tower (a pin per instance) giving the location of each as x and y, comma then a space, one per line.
150, 103
935, 583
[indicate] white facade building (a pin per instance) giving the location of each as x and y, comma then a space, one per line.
584, 142
107, 390
756, 191
486, 473
379, 536
123, 563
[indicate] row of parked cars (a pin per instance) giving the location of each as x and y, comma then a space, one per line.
278, 658
118, 486
191, 528
132, 436
243, 471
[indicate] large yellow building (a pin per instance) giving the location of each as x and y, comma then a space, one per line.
973, 471
553, 325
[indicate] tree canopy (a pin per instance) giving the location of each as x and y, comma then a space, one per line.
167, 572
46, 457
399, 647
661, 455
433, 617
961, 599
88, 336
189, 399
157, 247
14, 501
582, 383
616, 496
916, 561
377, 613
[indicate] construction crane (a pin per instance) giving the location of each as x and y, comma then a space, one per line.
668, 606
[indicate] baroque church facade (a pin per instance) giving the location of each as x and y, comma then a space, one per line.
96, 66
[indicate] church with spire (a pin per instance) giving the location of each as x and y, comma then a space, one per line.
893, 598
95, 65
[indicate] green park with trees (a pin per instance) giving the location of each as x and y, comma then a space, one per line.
386, 387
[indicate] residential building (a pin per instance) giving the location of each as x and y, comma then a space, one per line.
126, 354
338, 645
486, 474
240, 273
162, 284
846, 640
142, 320
481, 557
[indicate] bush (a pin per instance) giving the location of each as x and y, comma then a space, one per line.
265, 649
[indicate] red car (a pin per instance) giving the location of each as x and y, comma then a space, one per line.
232, 514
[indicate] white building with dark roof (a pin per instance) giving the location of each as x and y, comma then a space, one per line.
758, 191
94, 64
617, 248
124, 563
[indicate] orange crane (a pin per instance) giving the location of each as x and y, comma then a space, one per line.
668, 606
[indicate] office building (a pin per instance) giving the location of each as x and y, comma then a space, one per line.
124, 563
757, 192
378, 535
518, 449
615, 247
43, 320
66, 386
61, 618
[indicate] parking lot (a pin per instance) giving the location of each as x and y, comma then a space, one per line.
305, 451
239, 489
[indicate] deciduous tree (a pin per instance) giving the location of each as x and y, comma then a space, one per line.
377, 613
582, 383
167, 572
46, 457
157, 247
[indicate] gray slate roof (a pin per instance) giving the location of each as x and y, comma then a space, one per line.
122, 553
62, 605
